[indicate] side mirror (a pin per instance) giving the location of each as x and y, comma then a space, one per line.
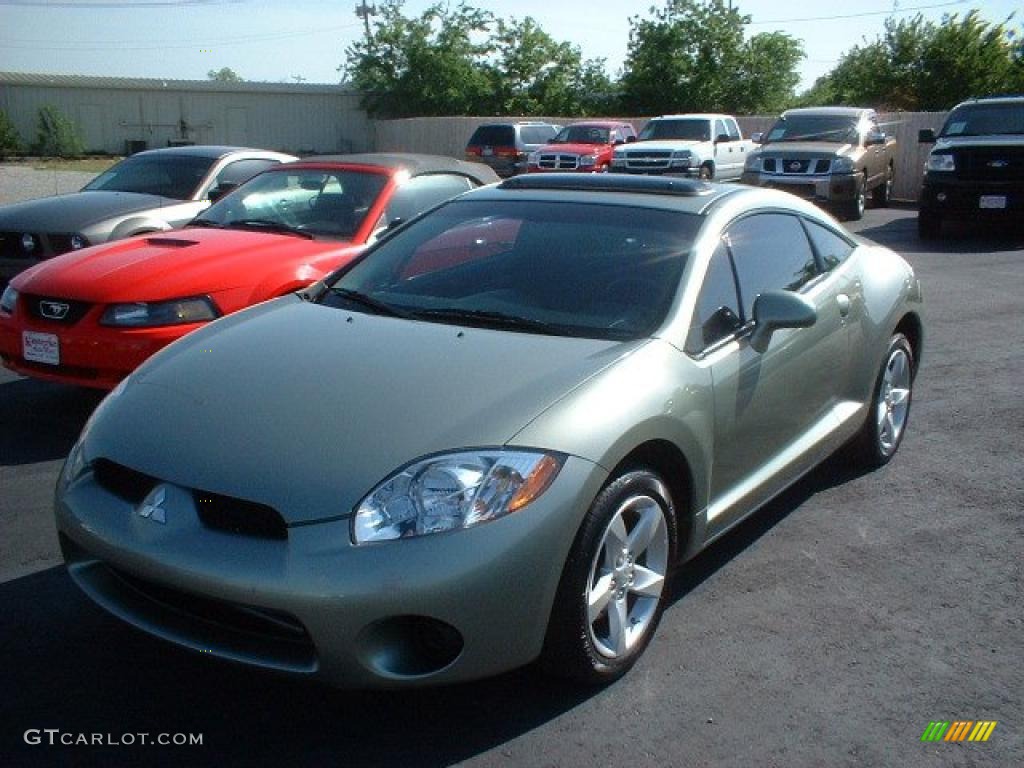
926, 136
618, 141
221, 189
774, 310
756, 137
722, 138
630, 139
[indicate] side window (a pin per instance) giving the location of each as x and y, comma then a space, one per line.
717, 314
733, 129
720, 129
242, 170
832, 249
771, 252
423, 192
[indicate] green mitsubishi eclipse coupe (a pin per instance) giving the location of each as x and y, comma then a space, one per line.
493, 437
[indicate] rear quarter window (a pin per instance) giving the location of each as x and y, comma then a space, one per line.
493, 136
537, 134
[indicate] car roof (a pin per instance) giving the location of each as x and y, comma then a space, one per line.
693, 115
830, 111
213, 151
415, 164
598, 123
1001, 99
685, 195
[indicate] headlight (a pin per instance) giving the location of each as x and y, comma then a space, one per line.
940, 161
28, 243
534, 158
619, 156
752, 163
682, 157
78, 242
74, 467
178, 312
8, 300
842, 165
457, 490
587, 161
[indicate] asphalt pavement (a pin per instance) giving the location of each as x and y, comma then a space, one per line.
828, 630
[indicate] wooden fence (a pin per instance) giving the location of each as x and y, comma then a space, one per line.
448, 136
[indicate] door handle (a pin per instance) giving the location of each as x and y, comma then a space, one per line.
844, 304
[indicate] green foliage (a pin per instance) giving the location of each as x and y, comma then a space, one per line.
918, 65
57, 136
694, 56
10, 141
225, 75
464, 61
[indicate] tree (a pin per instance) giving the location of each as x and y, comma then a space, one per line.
919, 65
693, 56
57, 136
431, 65
10, 141
225, 75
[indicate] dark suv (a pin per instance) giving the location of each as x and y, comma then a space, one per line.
976, 168
507, 146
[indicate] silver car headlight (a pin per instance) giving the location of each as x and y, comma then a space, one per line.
74, 467
142, 314
587, 161
78, 242
940, 161
8, 300
842, 165
534, 158
682, 157
453, 491
752, 163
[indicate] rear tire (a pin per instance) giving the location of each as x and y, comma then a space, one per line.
889, 412
615, 582
706, 172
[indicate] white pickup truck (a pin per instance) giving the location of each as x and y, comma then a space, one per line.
704, 146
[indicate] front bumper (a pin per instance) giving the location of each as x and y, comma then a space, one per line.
824, 189
91, 355
313, 603
951, 197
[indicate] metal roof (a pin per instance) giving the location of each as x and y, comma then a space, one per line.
165, 84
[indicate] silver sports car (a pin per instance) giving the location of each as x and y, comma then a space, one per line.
492, 438
148, 192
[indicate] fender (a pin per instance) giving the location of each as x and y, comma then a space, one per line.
138, 225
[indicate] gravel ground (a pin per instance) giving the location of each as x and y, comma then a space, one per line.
21, 182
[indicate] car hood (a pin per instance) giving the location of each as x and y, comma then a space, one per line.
76, 211
955, 142
662, 144
307, 408
166, 266
806, 149
574, 149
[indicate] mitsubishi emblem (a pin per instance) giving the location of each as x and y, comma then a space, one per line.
151, 508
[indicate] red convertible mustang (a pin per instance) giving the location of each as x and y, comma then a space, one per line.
92, 316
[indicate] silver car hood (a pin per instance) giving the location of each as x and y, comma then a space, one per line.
74, 212
307, 408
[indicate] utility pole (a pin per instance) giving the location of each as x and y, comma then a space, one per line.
298, 78
364, 12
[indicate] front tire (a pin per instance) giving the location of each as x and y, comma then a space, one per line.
855, 208
886, 423
706, 172
615, 582
882, 194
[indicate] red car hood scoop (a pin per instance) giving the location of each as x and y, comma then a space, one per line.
170, 242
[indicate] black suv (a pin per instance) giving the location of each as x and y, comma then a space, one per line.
976, 168
506, 146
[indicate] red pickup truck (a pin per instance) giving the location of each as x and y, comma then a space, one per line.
585, 147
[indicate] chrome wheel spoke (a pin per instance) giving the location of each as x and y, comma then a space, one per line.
598, 597
645, 530
899, 397
646, 582
618, 627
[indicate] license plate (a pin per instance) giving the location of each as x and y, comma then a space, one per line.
41, 347
992, 201
487, 151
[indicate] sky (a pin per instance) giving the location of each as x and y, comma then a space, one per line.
305, 40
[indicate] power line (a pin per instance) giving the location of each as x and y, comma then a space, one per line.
862, 14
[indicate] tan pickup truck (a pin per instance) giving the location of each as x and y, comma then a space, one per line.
834, 156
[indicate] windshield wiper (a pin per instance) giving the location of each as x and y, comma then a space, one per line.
487, 318
202, 223
369, 302
272, 226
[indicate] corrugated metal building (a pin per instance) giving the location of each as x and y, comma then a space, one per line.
116, 114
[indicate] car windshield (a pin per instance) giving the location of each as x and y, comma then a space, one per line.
686, 130
332, 203
581, 134
166, 175
572, 269
985, 120
838, 129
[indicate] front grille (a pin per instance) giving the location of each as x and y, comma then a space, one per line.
220, 513
246, 518
991, 163
770, 165
822, 165
795, 164
54, 310
650, 158
11, 246
122, 481
556, 162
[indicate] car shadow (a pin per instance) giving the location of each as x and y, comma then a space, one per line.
41, 420
960, 237
68, 665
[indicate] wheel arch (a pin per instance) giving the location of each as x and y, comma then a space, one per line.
910, 326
